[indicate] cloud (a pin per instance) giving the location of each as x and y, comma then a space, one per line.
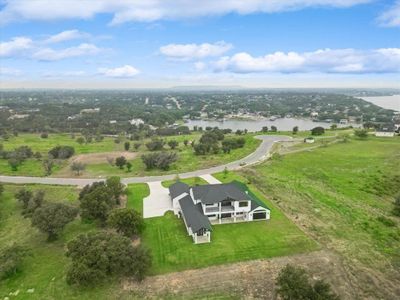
126, 71
67, 35
49, 54
391, 17
199, 66
193, 51
385, 60
4, 71
16, 46
148, 11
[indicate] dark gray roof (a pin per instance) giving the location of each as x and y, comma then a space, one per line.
214, 193
255, 204
386, 128
193, 214
178, 188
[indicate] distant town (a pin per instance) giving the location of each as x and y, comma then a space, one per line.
112, 112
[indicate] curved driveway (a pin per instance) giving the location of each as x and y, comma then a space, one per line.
259, 155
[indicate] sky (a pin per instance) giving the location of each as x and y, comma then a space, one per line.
168, 43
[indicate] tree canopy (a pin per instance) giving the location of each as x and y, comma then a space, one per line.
51, 218
96, 202
293, 283
126, 221
97, 255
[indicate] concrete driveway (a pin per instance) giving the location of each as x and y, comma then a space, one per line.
158, 202
210, 179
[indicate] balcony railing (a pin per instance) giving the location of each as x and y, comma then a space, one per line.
223, 209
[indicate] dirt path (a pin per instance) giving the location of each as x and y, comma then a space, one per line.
95, 158
245, 280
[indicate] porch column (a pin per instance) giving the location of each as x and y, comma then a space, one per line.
219, 216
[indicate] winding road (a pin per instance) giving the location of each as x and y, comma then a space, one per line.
257, 156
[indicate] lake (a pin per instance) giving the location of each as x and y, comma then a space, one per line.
388, 102
283, 124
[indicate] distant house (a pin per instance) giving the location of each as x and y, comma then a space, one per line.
309, 140
18, 116
385, 131
343, 121
201, 206
136, 122
113, 122
90, 110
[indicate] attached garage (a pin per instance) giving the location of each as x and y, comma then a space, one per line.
260, 215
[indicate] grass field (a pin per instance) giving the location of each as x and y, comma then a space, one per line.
340, 194
173, 249
187, 160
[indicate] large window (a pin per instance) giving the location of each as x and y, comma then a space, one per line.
243, 204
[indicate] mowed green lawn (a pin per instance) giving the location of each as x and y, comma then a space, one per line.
340, 194
173, 250
44, 270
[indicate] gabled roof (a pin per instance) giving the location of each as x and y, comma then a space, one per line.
178, 188
214, 193
193, 214
255, 204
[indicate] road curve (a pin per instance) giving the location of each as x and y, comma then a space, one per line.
259, 155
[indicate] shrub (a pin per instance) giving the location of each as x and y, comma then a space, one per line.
318, 130
34, 203
44, 135
361, 133
234, 143
24, 196
120, 162
23, 152
293, 283
155, 145
80, 140
11, 259
173, 144
1, 189
78, 167
62, 152
160, 160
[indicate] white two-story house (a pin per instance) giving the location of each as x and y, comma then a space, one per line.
203, 205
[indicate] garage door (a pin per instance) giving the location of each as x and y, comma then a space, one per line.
259, 215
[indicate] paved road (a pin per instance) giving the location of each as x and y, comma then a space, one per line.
260, 154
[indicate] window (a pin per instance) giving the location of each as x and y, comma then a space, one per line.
243, 204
